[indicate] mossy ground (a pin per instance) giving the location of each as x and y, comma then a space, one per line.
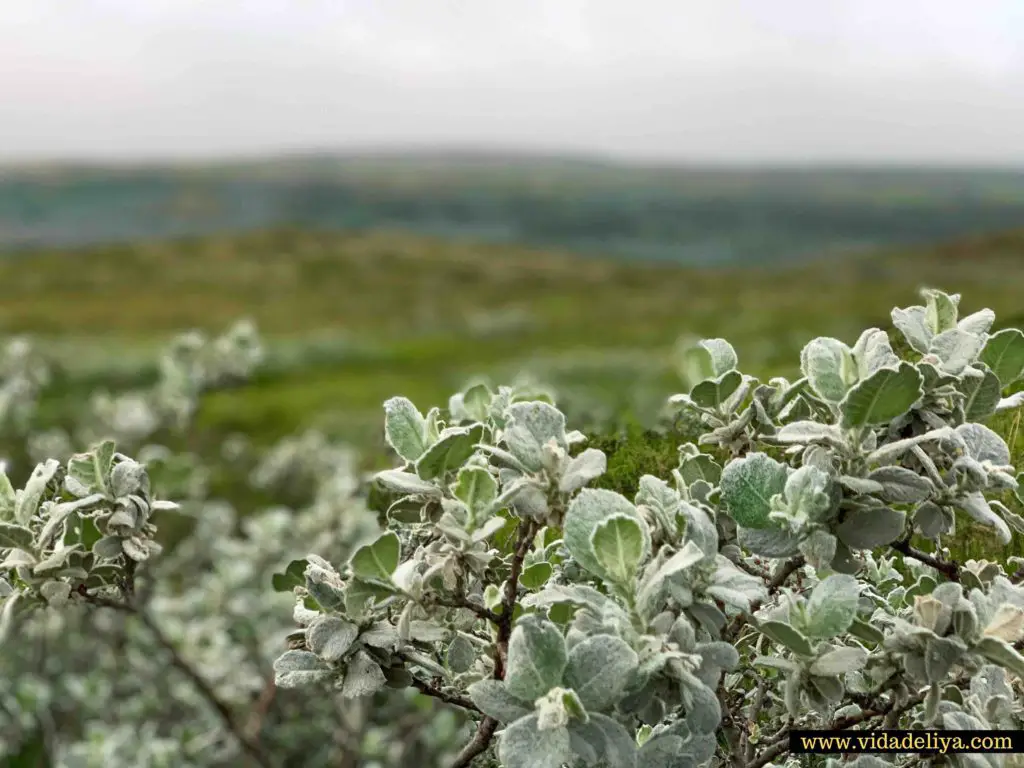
352, 319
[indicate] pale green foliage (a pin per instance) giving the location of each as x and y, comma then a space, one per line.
624, 641
769, 579
101, 675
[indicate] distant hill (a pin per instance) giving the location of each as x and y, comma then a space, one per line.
692, 215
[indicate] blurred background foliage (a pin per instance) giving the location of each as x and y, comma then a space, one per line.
416, 274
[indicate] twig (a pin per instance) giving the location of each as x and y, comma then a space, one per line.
461, 601
742, 564
892, 710
790, 567
949, 568
448, 698
485, 731
179, 663
780, 747
481, 740
259, 711
746, 747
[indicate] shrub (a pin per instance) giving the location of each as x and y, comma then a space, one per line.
773, 580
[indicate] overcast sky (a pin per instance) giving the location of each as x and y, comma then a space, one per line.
715, 80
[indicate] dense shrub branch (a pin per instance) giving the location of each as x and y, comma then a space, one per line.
179, 663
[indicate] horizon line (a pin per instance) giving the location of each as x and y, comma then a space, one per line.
470, 151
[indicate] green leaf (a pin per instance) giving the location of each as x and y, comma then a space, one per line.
787, 636
873, 352
885, 395
975, 505
654, 583
704, 713
405, 429
941, 653
618, 545
494, 700
735, 587
981, 396
8, 498
88, 472
476, 488
15, 537
535, 576
294, 669
1004, 355
8, 615
450, 452
460, 655
979, 323
694, 468
819, 549
769, 542
28, 500
292, 576
488, 529
901, 485
599, 669
956, 349
1001, 653
832, 606
807, 493
536, 658
524, 745
587, 511
721, 353
984, 444
555, 709
829, 367
329, 637
870, 528
55, 593
913, 325
589, 465
747, 487
940, 310
612, 744
363, 677
107, 547
406, 482
713, 392
477, 402
708, 359
378, 560
839, 661
56, 560
866, 632
531, 425
809, 432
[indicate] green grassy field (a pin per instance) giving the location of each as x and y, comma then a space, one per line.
354, 319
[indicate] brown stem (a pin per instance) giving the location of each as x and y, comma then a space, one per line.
487, 727
259, 711
481, 740
448, 698
949, 568
179, 663
891, 711
790, 567
777, 749
461, 601
746, 747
